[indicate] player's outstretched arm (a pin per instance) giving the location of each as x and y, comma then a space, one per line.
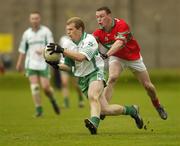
64, 67
55, 48
74, 55
118, 44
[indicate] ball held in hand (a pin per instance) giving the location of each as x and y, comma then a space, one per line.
49, 56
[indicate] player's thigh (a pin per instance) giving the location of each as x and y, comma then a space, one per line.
75, 83
115, 67
45, 82
44, 76
139, 70
95, 89
65, 77
33, 79
136, 65
142, 76
32, 76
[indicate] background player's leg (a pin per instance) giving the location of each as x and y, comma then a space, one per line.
35, 90
48, 90
65, 88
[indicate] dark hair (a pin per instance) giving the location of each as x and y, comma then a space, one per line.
105, 8
77, 21
35, 12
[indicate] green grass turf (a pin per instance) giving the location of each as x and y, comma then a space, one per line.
18, 127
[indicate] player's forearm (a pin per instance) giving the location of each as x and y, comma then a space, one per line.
19, 61
64, 67
20, 58
115, 47
74, 55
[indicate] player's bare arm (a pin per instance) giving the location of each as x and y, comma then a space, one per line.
74, 55
20, 61
115, 47
64, 67
55, 48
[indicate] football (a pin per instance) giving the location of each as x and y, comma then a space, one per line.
51, 57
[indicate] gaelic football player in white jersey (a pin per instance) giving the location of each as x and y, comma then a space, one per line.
82, 61
34, 39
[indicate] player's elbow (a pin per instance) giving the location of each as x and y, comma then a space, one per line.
119, 43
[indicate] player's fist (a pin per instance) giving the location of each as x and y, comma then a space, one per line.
54, 64
104, 56
54, 48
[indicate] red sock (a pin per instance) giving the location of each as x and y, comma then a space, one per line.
155, 102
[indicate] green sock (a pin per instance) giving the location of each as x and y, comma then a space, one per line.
95, 121
52, 99
39, 109
66, 101
129, 110
80, 98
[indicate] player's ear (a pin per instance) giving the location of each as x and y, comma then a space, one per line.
80, 29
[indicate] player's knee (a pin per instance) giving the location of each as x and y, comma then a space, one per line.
35, 89
64, 84
103, 109
112, 79
93, 98
47, 90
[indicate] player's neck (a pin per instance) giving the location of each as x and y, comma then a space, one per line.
108, 27
35, 28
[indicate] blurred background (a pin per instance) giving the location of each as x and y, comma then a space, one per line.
154, 23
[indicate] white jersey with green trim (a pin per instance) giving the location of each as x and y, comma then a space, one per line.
89, 47
32, 44
67, 43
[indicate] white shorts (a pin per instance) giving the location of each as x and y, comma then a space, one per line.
136, 65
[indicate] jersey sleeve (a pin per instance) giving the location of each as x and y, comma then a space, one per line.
23, 47
123, 33
69, 62
65, 42
90, 48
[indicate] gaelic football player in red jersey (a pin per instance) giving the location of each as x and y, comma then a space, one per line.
123, 52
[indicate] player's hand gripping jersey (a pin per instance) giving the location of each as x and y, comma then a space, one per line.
120, 31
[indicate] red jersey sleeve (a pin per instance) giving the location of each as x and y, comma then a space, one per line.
123, 32
96, 35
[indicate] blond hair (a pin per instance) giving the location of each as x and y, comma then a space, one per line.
77, 21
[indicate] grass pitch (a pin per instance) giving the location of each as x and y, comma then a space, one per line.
18, 127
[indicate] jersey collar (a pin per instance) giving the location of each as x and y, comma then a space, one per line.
37, 29
83, 36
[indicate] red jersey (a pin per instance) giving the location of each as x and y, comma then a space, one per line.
120, 31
